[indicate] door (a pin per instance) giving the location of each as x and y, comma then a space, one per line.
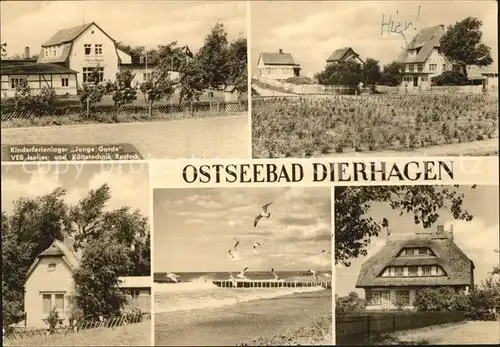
386, 298
415, 81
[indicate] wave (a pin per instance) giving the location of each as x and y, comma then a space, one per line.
240, 297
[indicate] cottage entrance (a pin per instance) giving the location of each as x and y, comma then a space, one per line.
386, 299
415, 81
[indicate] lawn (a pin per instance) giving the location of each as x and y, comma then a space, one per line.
304, 127
138, 334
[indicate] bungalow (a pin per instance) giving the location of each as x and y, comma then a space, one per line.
49, 284
344, 54
277, 66
408, 264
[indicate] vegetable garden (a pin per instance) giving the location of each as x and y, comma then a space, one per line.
304, 127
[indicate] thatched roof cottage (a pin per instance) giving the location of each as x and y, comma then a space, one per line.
409, 263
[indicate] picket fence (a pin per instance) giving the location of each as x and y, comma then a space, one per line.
113, 322
365, 327
9, 113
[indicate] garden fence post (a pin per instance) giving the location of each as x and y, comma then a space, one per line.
88, 107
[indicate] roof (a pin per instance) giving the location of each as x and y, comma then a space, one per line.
66, 50
68, 35
57, 249
341, 53
135, 281
425, 41
278, 58
449, 256
32, 68
477, 72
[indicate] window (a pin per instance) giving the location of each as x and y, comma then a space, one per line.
47, 303
432, 67
52, 301
444, 67
411, 68
408, 251
420, 67
413, 270
17, 81
88, 49
51, 267
64, 82
426, 270
59, 302
54, 51
146, 76
423, 79
374, 297
46, 52
98, 49
403, 296
399, 271
90, 73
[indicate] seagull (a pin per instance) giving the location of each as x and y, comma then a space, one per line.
262, 214
233, 255
237, 243
242, 273
173, 277
314, 273
233, 280
255, 245
274, 274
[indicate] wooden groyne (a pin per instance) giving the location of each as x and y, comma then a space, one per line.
271, 284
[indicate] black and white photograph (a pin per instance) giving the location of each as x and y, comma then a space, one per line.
168, 78
76, 260
242, 266
417, 265
374, 78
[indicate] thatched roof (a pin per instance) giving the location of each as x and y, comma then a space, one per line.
456, 265
426, 40
58, 249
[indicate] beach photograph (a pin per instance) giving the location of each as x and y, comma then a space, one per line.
374, 78
166, 78
242, 266
76, 255
417, 265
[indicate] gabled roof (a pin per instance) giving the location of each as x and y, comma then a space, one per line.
341, 53
278, 58
57, 249
449, 257
426, 40
68, 35
32, 68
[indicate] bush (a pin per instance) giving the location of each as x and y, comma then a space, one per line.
53, 320
450, 78
299, 80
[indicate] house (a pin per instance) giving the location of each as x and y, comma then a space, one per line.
487, 76
405, 265
277, 66
49, 284
37, 75
422, 58
344, 54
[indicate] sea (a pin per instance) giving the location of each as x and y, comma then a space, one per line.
195, 290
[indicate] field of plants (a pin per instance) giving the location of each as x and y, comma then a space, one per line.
304, 127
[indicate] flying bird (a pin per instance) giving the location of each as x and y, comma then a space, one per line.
242, 273
314, 273
255, 245
237, 243
262, 214
233, 280
233, 255
173, 276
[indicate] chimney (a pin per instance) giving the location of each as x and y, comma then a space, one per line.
27, 52
281, 51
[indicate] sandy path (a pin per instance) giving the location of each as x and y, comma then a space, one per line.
221, 137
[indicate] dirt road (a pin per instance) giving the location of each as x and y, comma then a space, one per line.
221, 137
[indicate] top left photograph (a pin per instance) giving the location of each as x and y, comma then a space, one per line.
114, 80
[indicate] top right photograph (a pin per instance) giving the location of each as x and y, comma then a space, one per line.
381, 78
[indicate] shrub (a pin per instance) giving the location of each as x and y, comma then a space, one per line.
53, 320
450, 78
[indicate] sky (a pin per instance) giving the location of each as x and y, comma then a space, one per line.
478, 238
312, 30
137, 23
129, 183
194, 229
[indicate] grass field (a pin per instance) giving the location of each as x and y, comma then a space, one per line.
138, 334
214, 137
376, 124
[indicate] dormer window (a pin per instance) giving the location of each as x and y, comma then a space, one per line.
416, 251
51, 267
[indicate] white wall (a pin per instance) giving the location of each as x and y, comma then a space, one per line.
37, 82
43, 281
108, 59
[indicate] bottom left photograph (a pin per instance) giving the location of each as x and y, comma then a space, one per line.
76, 255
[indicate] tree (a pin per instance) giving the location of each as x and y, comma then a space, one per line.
238, 72
135, 52
124, 92
96, 279
391, 74
344, 73
371, 72
192, 82
461, 44
213, 56
354, 229
159, 86
350, 303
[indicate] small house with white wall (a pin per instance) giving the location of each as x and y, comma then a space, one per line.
49, 284
409, 263
277, 66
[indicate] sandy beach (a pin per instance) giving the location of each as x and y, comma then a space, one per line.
303, 318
